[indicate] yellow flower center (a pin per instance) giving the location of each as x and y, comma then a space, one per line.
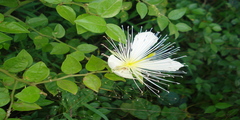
131, 63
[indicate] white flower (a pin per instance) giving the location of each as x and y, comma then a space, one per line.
144, 57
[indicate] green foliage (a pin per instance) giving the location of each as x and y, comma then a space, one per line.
51, 66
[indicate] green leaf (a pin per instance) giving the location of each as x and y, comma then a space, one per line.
79, 56
218, 41
67, 13
29, 94
60, 48
4, 37
68, 86
95, 64
142, 108
215, 27
86, 48
9, 3
22, 106
37, 21
222, 105
214, 48
80, 29
8, 82
153, 10
1, 17
95, 111
210, 109
36, 73
40, 41
115, 33
154, 2
2, 114
15, 64
24, 54
177, 13
58, 31
162, 22
12, 27
126, 6
92, 81
92, 23
54, 1
173, 30
182, 27
52, 87
43, 102
106, 8
70, 65
114, 77
142, 9
5, 97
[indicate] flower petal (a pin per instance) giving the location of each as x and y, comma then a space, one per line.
115, 64
141, 44
161, 65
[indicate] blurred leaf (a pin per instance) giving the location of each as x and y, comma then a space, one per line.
36, 73
1, 17
92, 23
114, 77
60, 48
95, 111
67, 13
199, 11
79, 56
29, 94
22, 106
5, 97
173, 30
2, 114
162, 22
9, 3
176, 14
40, 41
116, 33
142, 9
95, 64
43, 102
153, 1
153, 10
169, 98
37, 21
92, 81
8, 82
86, 48
73, 102
182, 27
70, 65
4, 37
106, 8
54, 1
210, 109
15, 64
222, 105
12, 27
24, 54
58, 31
68, 86
126, 6
214, 48
173, 113
142, 108
52, 87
